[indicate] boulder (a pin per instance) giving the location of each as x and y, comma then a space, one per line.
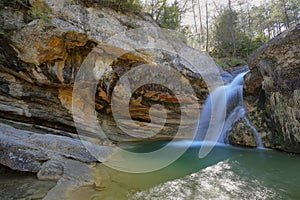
241, 134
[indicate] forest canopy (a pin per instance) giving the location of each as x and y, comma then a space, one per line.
232, 29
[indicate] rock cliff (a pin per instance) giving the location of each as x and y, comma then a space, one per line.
41, 56
43, 48
273, 91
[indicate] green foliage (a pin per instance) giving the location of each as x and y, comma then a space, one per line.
1, 30
170, 17
20, 4
186, 30
229, 62
132, 6
125, 6
241, 28
34, 14
223, 33
165, 14
231, 39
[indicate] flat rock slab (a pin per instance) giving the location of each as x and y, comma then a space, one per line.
44, 154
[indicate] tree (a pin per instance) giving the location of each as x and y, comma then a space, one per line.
170, 17
232, 17
194, 15
167, 15
225, 32
207, 27
295, 11
200, 23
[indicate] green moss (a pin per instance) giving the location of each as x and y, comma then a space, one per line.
131, 24
34, 14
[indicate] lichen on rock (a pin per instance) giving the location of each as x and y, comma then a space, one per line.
275, 82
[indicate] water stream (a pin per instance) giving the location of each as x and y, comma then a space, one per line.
256, 135
223, 107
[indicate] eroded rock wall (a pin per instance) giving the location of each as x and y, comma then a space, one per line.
273, 90
40, 57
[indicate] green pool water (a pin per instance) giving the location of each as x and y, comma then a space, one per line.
226, 173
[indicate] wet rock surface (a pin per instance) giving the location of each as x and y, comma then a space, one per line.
241, 134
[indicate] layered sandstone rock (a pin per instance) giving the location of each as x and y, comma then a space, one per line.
39, 61
40, 58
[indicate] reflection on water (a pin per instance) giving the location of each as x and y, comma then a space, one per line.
16, 185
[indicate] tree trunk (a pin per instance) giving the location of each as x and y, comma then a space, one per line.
231, 26
207, 31
194, 14
287, 19
161, 9
200, 22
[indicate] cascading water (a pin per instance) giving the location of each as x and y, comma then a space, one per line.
223, 107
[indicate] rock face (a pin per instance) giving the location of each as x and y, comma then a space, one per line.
40, 58
52, 157
41, 153
274, 82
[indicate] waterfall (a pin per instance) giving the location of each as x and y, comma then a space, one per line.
223, 107
256, 135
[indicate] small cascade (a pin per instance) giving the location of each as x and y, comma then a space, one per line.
256, 135
223, 107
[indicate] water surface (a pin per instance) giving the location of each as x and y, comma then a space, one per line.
226, 173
